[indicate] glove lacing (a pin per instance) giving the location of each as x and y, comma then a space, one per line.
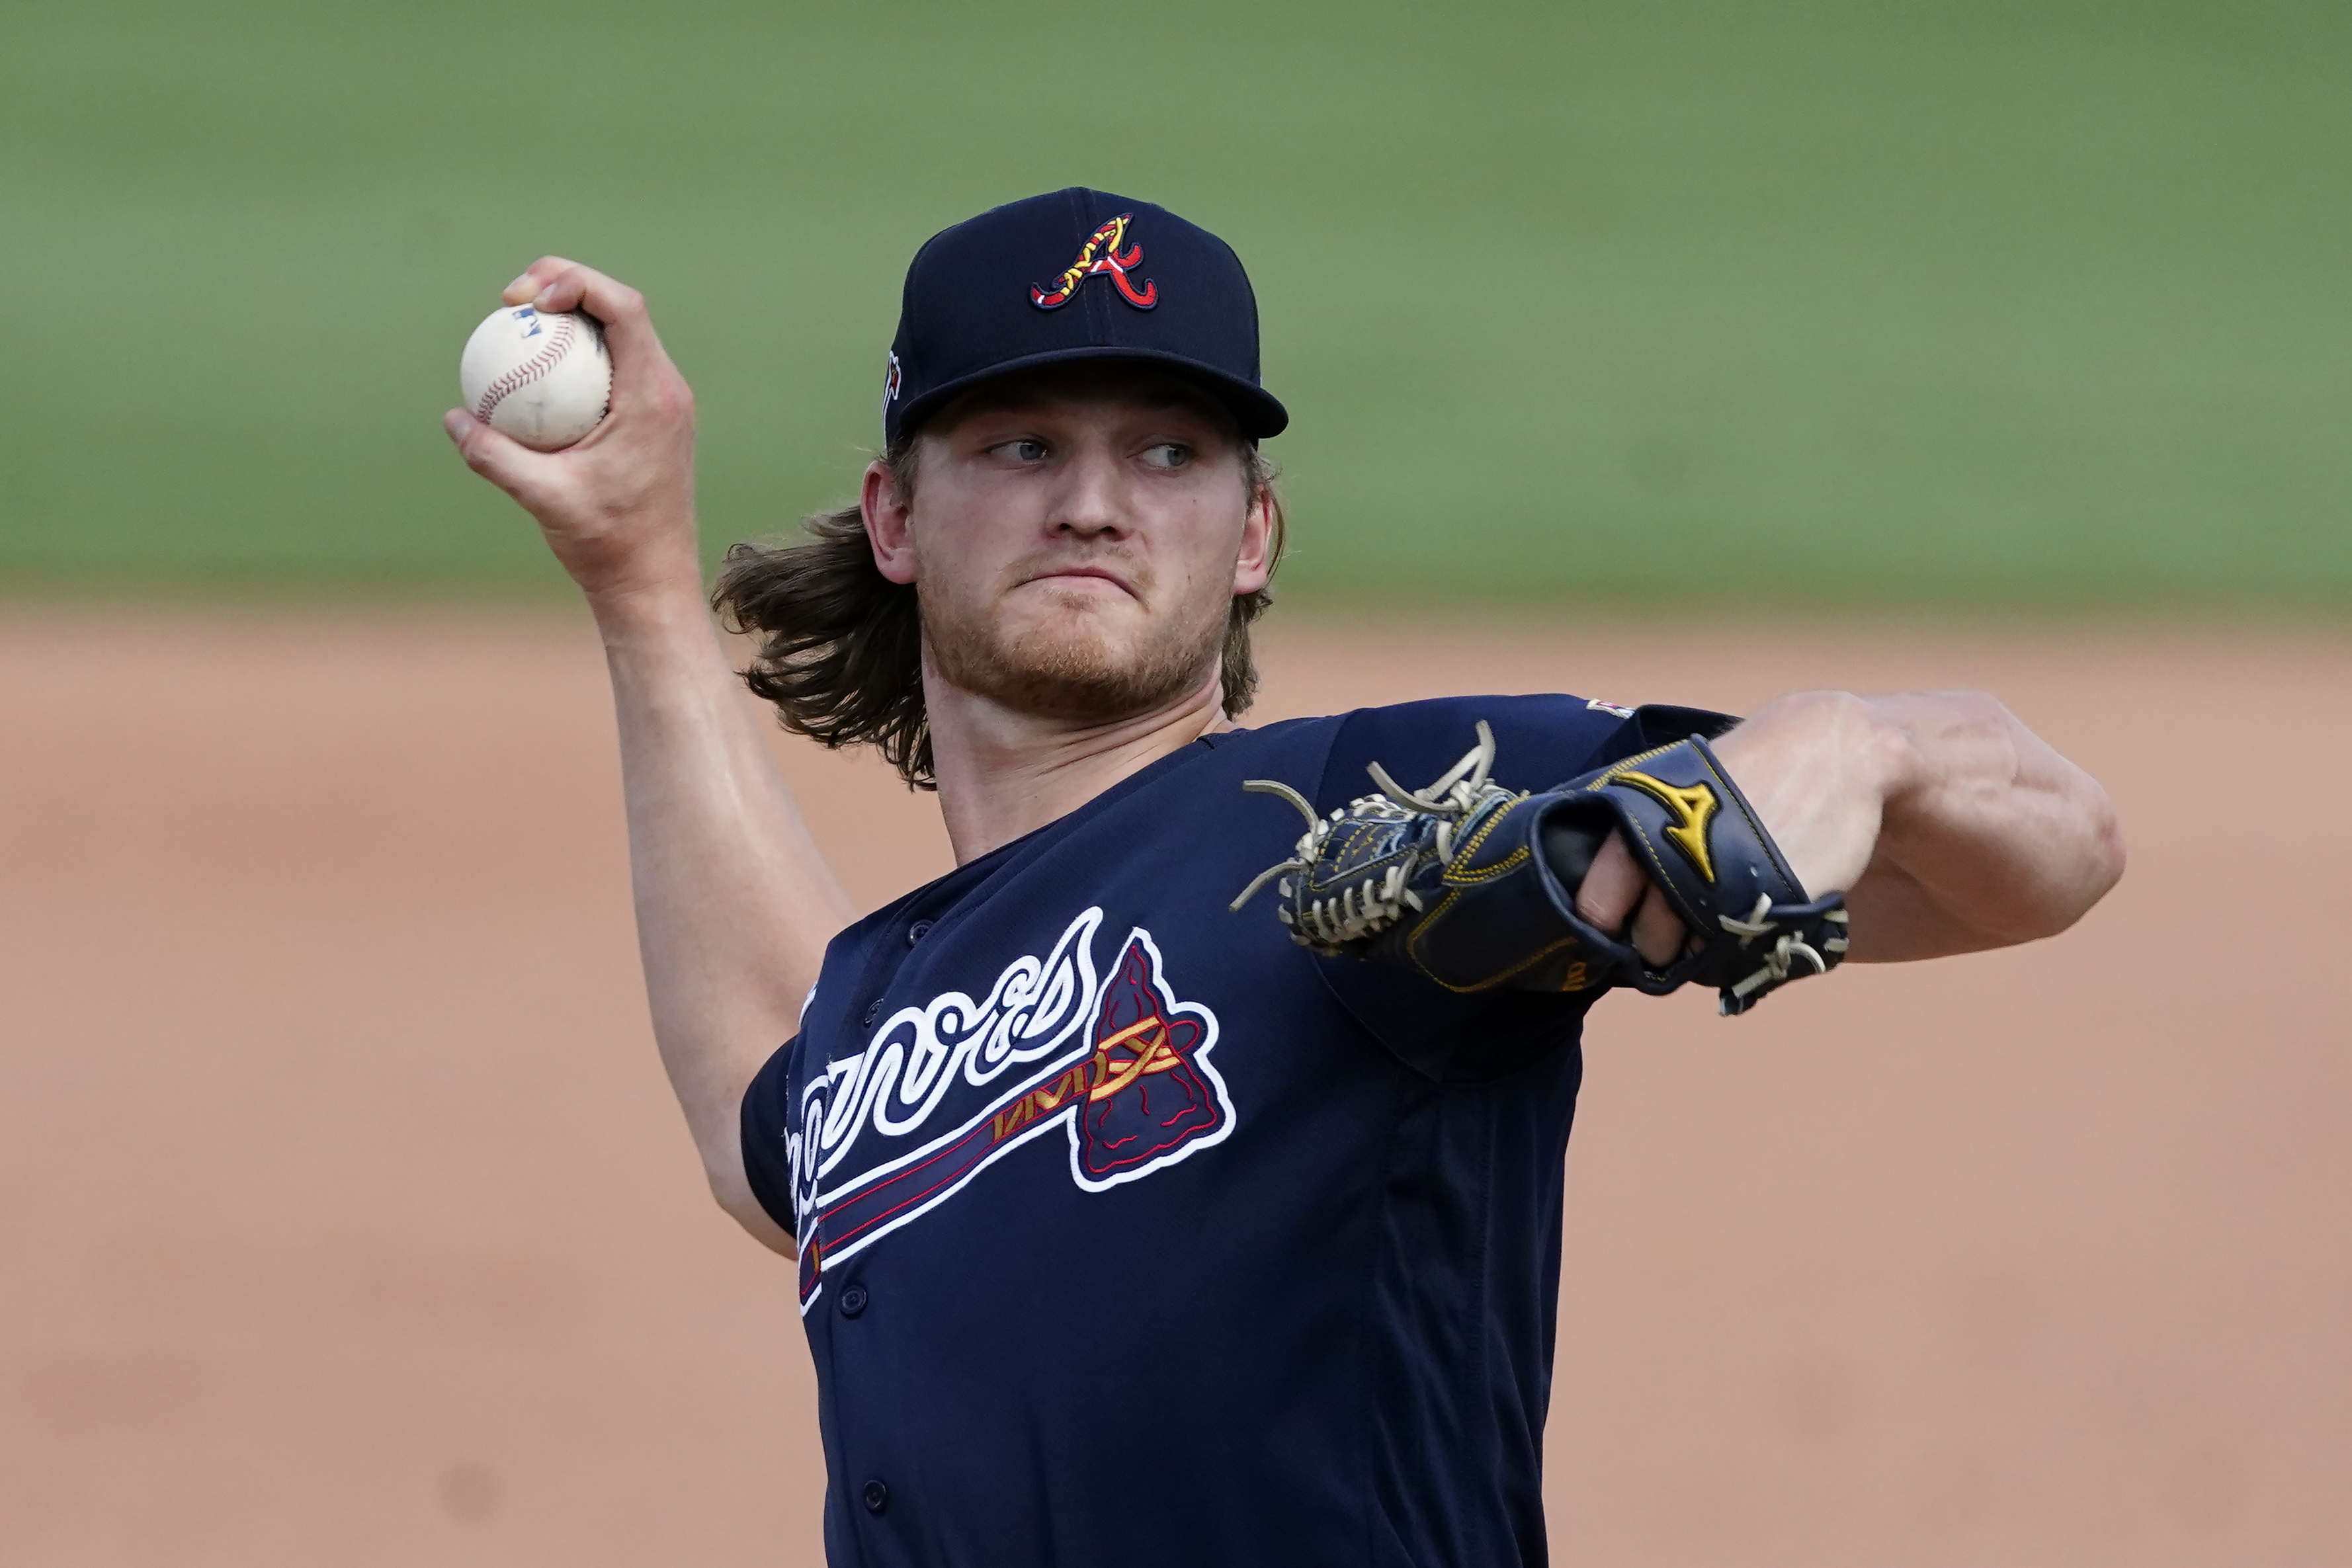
1787, 945
1378, 902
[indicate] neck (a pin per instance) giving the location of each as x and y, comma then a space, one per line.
1003, 773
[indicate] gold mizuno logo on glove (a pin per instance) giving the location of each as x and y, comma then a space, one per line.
1693, 806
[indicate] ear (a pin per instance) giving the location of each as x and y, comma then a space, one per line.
887, 517
1253, 567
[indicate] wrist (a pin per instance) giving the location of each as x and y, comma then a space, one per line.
653, 603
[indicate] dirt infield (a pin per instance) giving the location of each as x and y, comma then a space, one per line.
345, 1218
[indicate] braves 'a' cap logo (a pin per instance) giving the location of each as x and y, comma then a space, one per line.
1101, 253
890, 382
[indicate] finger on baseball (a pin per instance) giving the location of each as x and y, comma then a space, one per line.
1612, 887
643, 377
622, 309
1658, 932
535, 277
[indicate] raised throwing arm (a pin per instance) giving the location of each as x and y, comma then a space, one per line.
734, 904
1950, 826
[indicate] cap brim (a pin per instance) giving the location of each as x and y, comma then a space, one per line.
1258, 413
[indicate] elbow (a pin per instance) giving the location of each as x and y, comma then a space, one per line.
2083, 847
2109, 834
731, 1190
2099, 863
2109, 854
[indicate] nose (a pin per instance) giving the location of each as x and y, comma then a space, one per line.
1089, 502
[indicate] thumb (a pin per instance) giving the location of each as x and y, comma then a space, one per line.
495, 456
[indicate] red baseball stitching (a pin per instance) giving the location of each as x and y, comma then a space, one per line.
530, 370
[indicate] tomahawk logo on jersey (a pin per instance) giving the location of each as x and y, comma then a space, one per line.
1111, 1058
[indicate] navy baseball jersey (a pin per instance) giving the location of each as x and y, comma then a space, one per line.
1133, 1234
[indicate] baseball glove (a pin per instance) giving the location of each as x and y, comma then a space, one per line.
1474, 886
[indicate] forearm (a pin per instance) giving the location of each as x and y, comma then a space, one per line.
1988, 837
1948, 825
734, 903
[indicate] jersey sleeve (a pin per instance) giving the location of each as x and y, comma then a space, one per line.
767, 1124
1540, 741
1658, 724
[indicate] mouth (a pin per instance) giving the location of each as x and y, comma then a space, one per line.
1078, 574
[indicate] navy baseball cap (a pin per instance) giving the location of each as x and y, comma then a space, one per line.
1075, 275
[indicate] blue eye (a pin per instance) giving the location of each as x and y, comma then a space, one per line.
1168, 455
1029, 451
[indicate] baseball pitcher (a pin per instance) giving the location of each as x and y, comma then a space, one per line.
1178, 1180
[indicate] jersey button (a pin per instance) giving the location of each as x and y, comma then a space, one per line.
877, 1497
853, 1300
873, 1012
918, 931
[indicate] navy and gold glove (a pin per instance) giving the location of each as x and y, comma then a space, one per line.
1474, 886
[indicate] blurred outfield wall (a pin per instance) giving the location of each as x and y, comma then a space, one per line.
1980, 302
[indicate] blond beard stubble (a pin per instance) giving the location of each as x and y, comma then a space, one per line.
1073, 677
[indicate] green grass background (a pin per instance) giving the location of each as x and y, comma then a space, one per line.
1977, 303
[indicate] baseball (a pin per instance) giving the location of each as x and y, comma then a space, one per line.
544, 379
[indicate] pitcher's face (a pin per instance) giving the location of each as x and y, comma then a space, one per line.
1076, 539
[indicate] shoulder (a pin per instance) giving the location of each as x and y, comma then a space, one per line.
1539, 740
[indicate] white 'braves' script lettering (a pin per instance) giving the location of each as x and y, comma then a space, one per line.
1019, 1047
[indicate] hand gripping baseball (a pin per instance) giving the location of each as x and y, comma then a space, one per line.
617, 506
1474, 886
